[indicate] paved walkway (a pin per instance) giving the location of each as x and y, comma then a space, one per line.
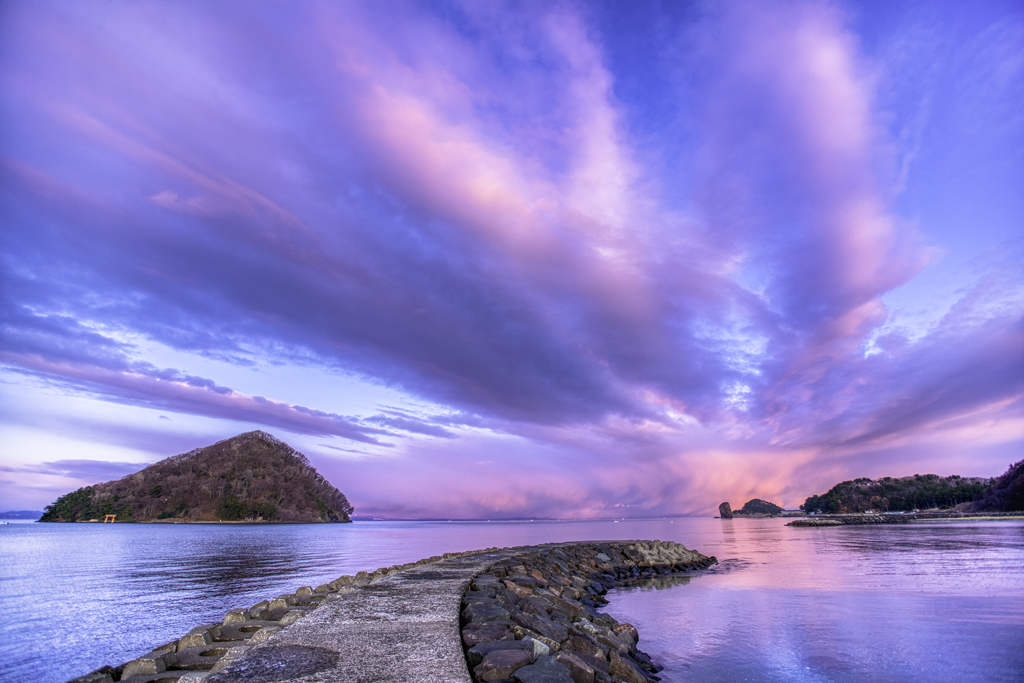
401, 629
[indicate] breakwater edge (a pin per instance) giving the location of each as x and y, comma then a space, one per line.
410, 622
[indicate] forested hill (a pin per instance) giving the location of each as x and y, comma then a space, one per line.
1006, 493
252, 476
920, 491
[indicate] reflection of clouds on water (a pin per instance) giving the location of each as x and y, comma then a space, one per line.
656, 583
647, 583
917, 602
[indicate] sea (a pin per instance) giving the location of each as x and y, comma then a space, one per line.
930, 601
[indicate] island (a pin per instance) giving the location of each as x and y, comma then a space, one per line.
252, 477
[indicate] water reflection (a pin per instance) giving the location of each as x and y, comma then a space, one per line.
656, 583
941, 601
936, 603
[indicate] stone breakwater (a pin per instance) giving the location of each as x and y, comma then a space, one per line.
403, 623
534, 618
841, 520
857, 518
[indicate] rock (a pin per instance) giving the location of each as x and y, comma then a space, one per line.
625, 669
477, 612
236, 615
535, 605
645, 662
195, 638
521, 591
486, 632
545, 627
725, 510
539, 647
105, 674
598, 664
545, 670
149, 664
612, 643
475, 655
626, 630
584, 626
580, 671
585, 644
501, 664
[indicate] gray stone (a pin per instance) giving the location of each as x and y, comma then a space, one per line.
475, 654
195, 638
598, 664
579, 669
626, 630
625, 669
150, 664
725, 510
585, 644
612, 643
544, 670
545, 627
539, 647
485, 632
482, 611
500, 664
236, 615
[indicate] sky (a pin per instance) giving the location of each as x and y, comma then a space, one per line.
514, 259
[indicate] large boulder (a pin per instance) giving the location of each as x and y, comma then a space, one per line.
725, 510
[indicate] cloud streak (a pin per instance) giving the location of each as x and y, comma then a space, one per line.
467, 206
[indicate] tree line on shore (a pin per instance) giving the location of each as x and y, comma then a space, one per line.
923, 491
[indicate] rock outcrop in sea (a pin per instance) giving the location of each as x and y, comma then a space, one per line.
725, 510
250, 477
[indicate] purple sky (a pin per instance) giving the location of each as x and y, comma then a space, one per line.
482, 259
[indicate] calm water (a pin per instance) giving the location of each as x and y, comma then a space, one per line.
935, 602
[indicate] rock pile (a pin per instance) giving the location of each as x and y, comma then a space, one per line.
533, 618
844, 520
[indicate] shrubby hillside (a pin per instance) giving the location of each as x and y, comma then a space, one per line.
920, 491
756, 506
1006, 493
251, 476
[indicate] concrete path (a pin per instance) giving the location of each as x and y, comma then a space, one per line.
401, 629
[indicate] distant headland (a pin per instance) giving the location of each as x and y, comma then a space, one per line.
954, 495
252, 477
923, 492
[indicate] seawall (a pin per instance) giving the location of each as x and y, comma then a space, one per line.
409, 622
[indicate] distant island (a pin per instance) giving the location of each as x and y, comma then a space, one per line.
957, 494
20, 514
251, 477
922, 492
756, 507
